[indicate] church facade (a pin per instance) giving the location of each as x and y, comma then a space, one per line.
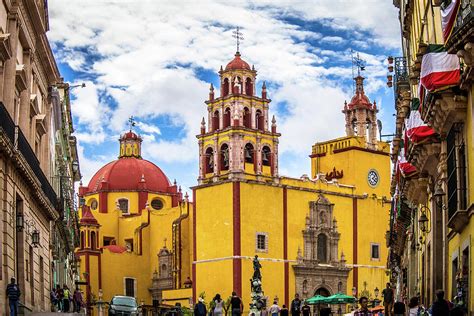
323, 233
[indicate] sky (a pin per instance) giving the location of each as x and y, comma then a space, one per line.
155, 60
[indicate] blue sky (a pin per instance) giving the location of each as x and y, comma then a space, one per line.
155, 60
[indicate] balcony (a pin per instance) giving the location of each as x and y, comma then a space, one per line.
17, 138
401, 83
463, 29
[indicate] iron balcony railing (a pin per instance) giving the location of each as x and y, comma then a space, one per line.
465, 15
400, 77
17, 137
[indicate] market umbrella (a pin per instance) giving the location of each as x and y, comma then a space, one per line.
340, 298
317, 299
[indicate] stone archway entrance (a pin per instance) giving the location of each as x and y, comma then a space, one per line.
322, 291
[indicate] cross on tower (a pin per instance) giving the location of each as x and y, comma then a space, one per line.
359, 63
238, 37
131, 122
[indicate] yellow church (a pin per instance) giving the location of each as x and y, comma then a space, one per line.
318, 234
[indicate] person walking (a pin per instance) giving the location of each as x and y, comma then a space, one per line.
66, 294
440, 307
306, 310
53, 298
387, 295
218, 306
59, 297
200, 308
77, 299
236, 305
274, 310
363, 310
296, 306
13, 294
284, 310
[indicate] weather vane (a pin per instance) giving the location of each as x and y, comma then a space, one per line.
131, 122
356, 62
238, 37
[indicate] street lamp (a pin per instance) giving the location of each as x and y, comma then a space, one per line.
423, 221
35, 238
438, 195
75, 166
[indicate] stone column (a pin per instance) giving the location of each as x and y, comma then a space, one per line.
253, 111
216, 155
265, 118
24, 111
201, 160
9, 67
258, 156
275, 157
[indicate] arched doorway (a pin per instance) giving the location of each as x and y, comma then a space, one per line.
322, 291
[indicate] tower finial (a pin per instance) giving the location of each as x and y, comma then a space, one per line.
131, 122
238, 37
203, 126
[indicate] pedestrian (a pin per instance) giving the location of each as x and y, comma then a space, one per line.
53, 298
387, 294
306, 310
284, 310
414, 308
274, 310
296, 306
59, 296
218, 306
13, 294
236, 305
458, 311
399, 309
77, 299
200, 308
440, 307
363, 310
66, 294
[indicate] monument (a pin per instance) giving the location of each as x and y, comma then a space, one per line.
258, 300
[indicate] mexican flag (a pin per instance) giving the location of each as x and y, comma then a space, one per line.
448, 17
439, 70
415, 128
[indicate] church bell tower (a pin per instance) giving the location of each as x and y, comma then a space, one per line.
361, 115
238, 142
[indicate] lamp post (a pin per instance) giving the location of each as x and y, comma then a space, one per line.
424, 223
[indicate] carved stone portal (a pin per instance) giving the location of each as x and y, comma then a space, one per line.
319, 269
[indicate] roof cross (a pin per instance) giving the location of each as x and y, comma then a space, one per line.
131, 122
238, 37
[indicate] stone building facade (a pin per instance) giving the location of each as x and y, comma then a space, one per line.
319, 270
29, 206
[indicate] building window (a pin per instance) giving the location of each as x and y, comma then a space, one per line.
157, 204
123, 205
107, 241
94, 204
261, 242
456, 163
266, 156
322, 248
375, 251
130, 286
129, 244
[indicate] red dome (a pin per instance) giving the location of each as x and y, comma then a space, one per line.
129, 135
237, 63
360, 100
129, 174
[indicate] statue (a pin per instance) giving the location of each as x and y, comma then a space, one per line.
258, 302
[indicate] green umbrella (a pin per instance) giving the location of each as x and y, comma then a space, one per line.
317, 299
340, 298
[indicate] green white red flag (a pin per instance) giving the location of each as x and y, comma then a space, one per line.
439, 70
406, 169
448, 17
415, 128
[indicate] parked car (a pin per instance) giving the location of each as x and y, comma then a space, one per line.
123, 306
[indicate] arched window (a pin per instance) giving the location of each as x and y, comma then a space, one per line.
83, 241
248, 153
224, 157
225, 87
226, 118
248, 87
209, 160
259, 120
93, 240
246, 117
237, 85
123, 205
322, 248
305, 286
215, 121
266, 156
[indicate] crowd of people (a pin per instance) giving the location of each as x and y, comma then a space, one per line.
62, 299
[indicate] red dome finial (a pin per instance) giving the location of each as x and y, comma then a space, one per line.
237, 63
